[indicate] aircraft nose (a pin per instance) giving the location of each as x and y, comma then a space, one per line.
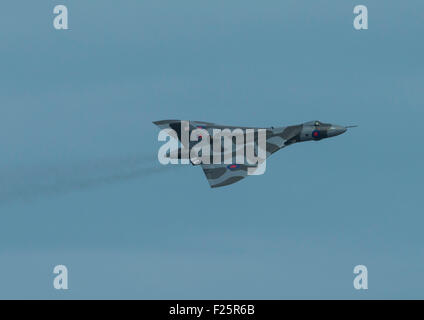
335, 130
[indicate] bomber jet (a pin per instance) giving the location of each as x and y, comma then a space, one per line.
224, 173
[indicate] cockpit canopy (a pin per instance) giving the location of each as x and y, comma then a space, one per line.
315, 123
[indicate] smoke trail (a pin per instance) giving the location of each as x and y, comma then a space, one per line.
26, 184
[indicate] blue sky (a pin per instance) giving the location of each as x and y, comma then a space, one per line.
80, 186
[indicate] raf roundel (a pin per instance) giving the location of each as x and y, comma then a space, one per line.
315, 134
200, 136
233, 166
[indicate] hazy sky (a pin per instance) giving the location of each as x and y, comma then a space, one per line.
80, 184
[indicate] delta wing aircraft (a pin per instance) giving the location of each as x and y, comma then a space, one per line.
222, 174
